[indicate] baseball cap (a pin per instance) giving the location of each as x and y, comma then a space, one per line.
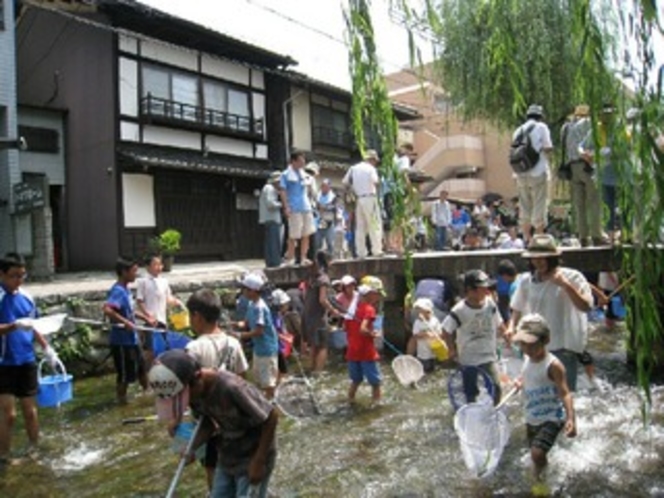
476, 278
169, 379
531, 328
371, 284
252, 281
535, 111
348, 280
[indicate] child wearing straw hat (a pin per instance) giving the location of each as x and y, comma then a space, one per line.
427, 328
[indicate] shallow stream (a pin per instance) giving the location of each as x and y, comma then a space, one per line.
406, 447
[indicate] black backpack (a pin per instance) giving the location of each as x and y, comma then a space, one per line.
523, 156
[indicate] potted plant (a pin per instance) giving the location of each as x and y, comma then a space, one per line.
167, 243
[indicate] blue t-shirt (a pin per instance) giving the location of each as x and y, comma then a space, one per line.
294, 183
267, 344
16, 347
119, 298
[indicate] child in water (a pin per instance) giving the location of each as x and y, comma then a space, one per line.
549, 405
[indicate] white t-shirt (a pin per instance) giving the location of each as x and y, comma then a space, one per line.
568, 324
541, 140
154, 293
476, 330
365, 179
431, 325
219, 351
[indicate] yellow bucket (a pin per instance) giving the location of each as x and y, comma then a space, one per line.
179, 320
439, 349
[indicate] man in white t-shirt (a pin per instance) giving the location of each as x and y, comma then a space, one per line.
441, 217
533, 185
363, 179
561, 295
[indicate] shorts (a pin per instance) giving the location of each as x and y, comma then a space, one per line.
318, 339
300, 225
428, 365
129, 363
533, 199
361, 370
266, 371
19, 380
543, 436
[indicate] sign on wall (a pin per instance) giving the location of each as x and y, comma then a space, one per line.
27, 198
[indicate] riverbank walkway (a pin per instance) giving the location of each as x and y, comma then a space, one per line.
183, 277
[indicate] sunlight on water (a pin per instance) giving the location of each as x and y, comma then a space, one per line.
78, 458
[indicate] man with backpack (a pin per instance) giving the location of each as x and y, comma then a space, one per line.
528, 157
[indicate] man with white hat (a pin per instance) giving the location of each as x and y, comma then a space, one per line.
561, 295
363, 179
269, 215
232, 409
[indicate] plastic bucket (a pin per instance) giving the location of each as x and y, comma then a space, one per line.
439, 349
618, 307
179, 320
183, 434
54, 389
165, 341
337, 339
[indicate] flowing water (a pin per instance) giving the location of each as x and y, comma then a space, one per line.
406, 447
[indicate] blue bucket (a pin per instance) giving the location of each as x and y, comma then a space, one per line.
54, 389
618, 307
183, 433
165, 341
337, 339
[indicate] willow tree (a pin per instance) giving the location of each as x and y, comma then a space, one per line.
495, 57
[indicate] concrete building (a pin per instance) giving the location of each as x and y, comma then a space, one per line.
469, 159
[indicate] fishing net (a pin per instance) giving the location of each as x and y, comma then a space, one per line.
408, 369
470, 385
295, 398
483, 434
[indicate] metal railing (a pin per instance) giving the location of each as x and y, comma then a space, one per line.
211, 119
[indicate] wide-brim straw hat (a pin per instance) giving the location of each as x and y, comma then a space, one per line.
542, 246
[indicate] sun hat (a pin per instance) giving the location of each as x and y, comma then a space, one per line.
502, 238
423, 303
371, 284
312, 168
371, 154
252, 281
274, 177
542, 245
169, 379
279, 297
582, 110
348, 280
477, 278
531, 328
535, 111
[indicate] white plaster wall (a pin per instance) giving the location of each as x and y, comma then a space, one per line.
172, 138
222, 145
128, 74
180, 57
224, 69
261, 151
138, 200
300, 119
257, 79
128, 43
129, 131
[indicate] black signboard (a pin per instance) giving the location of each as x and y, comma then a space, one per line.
27, 198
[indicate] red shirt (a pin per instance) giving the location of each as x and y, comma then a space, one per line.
361, 346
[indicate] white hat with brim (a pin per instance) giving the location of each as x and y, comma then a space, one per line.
252, 281
348, 280
423, 303
542, 246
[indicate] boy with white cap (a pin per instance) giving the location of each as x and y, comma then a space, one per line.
265, 364
236, 411
549, 405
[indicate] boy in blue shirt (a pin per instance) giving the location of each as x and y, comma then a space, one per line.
18, 366
125, 346
265, 364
